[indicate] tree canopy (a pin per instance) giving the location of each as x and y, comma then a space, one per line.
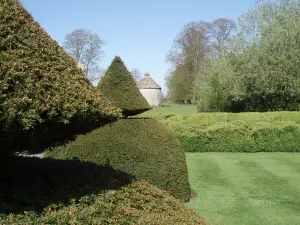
256, 69
263, 69
195, 44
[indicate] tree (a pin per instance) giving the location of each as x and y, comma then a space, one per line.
118, 86
261, 70
190, 49
216, 85
191, 45
136, 74
222, 30
259, 17
86, 48
270, 65
179, 85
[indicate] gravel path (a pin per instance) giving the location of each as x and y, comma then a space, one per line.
41, 155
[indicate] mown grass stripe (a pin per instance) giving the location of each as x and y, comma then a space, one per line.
243, 209
213, 184
285, 170
260, 188
273, 189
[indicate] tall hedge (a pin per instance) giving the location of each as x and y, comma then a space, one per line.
39, 82
143, 148
236, 132
119, 86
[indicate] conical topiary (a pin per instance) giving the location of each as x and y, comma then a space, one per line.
39, 82
118, 86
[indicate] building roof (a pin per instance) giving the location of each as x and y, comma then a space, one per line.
148, 83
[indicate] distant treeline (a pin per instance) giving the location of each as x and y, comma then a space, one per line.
249, 66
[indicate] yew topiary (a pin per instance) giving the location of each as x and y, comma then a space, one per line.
39, 82
119, 86
143, 148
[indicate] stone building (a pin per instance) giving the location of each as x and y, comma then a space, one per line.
150, 90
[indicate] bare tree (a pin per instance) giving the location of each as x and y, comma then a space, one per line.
86, 48
196, 44
191, 45
197, 40
136, 74
222, 30
190, 50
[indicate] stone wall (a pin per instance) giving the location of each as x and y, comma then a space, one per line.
153, 96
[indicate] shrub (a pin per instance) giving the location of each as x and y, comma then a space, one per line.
137, 203
143, 148
39, 82
260, 73
119, 86
243, 132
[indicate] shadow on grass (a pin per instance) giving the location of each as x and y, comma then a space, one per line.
31, 184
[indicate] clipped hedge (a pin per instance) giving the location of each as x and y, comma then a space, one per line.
138, 203
119, 86
143, 148
39, 82
236, 132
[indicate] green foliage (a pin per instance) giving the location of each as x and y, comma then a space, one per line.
197, 42
143, 148
214, 86
180, 84
137, 203
243, 132
39, 82
262, 73
119, 87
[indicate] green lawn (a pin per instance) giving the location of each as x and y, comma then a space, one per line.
260, 188
183, 109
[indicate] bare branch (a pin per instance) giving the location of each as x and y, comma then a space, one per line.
136, 74
86, 48
191, 46
222, 29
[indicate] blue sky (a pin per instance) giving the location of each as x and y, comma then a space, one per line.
140, 31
